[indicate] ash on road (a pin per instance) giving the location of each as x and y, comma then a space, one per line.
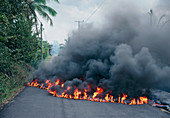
37, 103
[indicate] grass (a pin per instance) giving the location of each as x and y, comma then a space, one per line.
48, 58
11, 85
8, 97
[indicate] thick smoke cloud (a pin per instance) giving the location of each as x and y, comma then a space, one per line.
162, 8
126, 54
164, 4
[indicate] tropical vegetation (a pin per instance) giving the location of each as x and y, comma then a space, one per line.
20, 42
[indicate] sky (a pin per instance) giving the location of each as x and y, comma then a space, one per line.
69, 11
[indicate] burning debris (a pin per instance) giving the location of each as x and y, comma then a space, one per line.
60, 89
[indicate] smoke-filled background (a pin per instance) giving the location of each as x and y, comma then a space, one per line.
126, 54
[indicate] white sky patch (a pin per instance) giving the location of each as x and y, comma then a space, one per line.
70, 11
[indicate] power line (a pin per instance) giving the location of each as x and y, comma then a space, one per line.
95, 10
80, 22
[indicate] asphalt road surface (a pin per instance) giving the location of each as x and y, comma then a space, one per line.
37, 103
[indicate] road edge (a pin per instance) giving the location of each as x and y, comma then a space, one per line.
12, 97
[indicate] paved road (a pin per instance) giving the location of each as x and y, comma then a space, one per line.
37, 103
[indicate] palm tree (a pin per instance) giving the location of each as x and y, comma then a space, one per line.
63, 45
41, 7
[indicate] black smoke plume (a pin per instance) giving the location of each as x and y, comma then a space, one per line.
125, 55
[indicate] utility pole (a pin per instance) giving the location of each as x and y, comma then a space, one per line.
41, 41
151, 16
79, 24
69, 38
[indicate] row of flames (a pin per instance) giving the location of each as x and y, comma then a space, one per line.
79, 95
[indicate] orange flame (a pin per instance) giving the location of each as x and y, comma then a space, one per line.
62, 85
47, 81
57, 82
82, 95
123, 98
99, 91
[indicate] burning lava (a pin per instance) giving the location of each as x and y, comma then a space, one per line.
119, 61
97, 96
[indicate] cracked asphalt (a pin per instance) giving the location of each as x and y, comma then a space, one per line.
37, 103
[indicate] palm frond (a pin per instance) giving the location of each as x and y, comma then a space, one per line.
168, 21
40, 1
44, 14
161, 18
50, 10
41, 7
55, 1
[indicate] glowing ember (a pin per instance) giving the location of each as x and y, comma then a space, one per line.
57, 82
99, 91
83, 95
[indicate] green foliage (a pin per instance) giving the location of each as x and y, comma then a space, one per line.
3, 39
46, 49
10, 84
4, 86
19, 42
41, 7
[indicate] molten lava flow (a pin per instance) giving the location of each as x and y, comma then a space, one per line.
99, 91
123, 98
83, 95
57, 82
